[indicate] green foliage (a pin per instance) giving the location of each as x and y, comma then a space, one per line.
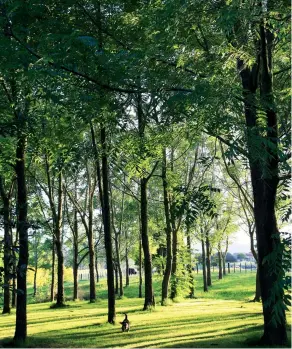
279, 263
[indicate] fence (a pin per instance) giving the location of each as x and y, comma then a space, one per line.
238, 267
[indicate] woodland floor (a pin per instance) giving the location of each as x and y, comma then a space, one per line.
221, 318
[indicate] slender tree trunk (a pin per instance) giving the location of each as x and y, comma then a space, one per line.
173, 293
96, 268
14, 280
208, 260
118, 270
204, 266
91, 189
75, 271
140, 268
35, 272
91, 268
59, 245
224, 263
8, 257
167, 272
127, 264
220, 261
53, 272
121, 281
149, 295
190, 266
22, 228
13, 297
75, 250
107, 230
116, 279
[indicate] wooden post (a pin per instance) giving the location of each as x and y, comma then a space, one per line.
240, 267
228, 268
245, 266
197, 268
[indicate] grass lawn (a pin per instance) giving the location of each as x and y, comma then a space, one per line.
223, 317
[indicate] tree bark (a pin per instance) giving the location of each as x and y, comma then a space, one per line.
107, 230
149, 295
140, 266
8, 257
127, 263
167, 271
53, 271
35, 267
91, 189
220, 261
208, 260
224, 264
75, 251
91, 258
96, 267
264, 177
116, 278
190, 266
59, 245
22, 228
204, 266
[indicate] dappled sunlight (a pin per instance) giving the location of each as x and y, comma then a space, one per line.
212, 320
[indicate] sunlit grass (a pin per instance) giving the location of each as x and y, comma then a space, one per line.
214, 319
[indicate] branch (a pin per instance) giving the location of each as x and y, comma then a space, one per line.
281, 71
73, 71
151, 173
235, 179
239, 149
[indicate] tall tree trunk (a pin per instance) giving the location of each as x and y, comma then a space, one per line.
204, 266
116, 278
190, 266
75, 250
149, 295
264, 177
75, 273
96, 267
107, 230
208, 260
140, 267
53, 271
59, 245
35, 267
220, 261
224, 263
8, 257
92, 289
22, 228
127, 263
91, 189
13, 293
173, 293
167, 272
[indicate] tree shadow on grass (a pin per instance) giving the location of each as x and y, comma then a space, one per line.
139, 336
236, 337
